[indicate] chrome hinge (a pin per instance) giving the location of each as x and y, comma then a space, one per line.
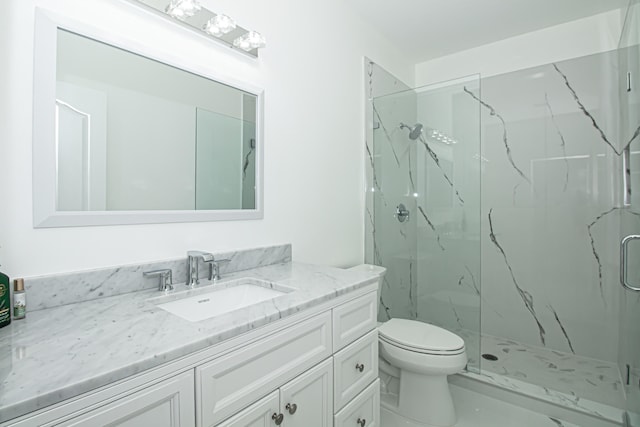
629, 82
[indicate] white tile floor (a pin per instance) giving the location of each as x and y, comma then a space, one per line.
477, 410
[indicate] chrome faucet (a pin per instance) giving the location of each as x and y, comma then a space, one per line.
192, 265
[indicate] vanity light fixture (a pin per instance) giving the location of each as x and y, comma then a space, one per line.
182, 9
215, 26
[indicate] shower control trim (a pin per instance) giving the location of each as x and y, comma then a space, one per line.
402, 213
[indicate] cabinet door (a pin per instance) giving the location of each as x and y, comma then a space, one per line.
307, 401
170, 403
263, 413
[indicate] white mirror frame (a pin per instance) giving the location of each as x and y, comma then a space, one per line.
44, 124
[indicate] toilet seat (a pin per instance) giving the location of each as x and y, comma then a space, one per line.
421, 337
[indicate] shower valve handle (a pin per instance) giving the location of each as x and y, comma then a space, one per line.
402, 213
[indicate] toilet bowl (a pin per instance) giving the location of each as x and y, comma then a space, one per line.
422, 355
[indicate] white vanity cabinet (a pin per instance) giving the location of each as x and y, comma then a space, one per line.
315, 369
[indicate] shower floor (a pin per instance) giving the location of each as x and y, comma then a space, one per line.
476, 410
571, 380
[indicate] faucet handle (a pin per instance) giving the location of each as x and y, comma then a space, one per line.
206, 256
165, 277
214, 268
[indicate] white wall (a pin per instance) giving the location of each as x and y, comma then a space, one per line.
312, 74
596, 34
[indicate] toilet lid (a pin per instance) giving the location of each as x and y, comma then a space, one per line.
419, 335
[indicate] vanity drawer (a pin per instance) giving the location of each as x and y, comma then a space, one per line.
229, 383
363, 411
354, 368
354, 319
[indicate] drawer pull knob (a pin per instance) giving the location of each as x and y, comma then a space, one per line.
361, 422
291, 407
360, 367
277, 418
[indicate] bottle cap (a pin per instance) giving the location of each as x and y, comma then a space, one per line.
18, 285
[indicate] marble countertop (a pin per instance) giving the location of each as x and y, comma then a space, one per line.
61, 352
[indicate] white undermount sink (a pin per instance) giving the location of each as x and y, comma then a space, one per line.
212, 301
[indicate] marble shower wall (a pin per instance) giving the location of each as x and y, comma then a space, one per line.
551, 204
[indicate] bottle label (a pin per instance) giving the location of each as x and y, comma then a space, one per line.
19, 305
5, 312
19, 311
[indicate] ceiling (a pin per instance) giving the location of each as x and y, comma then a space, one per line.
427, 29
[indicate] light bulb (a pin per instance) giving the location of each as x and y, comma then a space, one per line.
219, 25
183, 9
256, 40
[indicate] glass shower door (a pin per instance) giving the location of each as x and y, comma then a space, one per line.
427, 164
629, 348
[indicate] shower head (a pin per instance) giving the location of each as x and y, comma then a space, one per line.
414, 132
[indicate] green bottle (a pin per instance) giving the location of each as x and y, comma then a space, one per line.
5, 301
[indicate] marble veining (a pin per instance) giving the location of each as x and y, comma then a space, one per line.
68, 288
505, 139
563, 142
75, 348
596, 255
247, 159
410, 171
386, 134
526, 297
373, 172
436, 160
594, 123
564, 330
431, 226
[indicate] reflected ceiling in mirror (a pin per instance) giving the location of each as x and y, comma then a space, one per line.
133, 139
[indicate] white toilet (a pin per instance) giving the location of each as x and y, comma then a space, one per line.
420, 356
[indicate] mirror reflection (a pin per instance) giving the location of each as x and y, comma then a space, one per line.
135, 134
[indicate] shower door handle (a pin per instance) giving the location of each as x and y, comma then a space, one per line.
624, 246
626, 176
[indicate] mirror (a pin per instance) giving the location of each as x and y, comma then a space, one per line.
123, 136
